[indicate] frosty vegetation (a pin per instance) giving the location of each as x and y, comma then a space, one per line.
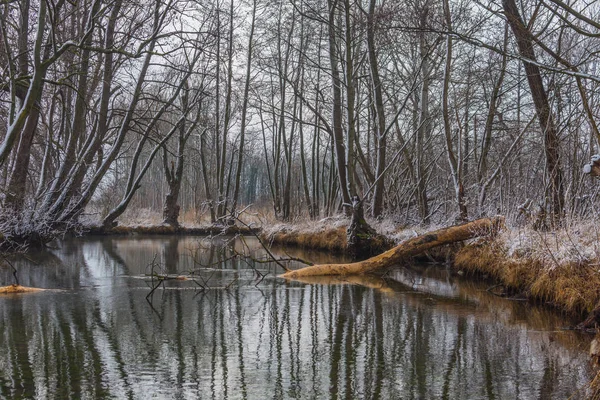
429, 111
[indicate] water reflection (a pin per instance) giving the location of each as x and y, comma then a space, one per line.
416, 334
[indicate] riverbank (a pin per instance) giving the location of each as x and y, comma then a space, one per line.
560, 268
329, 234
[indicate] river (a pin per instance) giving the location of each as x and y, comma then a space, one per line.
236, 331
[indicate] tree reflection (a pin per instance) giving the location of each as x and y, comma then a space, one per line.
361, 337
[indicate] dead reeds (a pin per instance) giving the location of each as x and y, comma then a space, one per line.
327, 239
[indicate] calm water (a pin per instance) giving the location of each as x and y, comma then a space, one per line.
419, 334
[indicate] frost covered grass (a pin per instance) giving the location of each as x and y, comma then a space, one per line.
330, 233
559, 267
325, 234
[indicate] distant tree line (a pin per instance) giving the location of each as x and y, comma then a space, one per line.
423, 110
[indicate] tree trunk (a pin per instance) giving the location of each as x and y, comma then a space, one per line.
455, 161
362, 239
424, 129
408, 248
380, 124
238, 173
206, 179
174, 172
542, 108
351, 142
222, 203
15, 195
336, 113
171, 210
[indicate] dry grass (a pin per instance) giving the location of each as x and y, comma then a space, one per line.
560, 268
329, 233
328, 239
326, 234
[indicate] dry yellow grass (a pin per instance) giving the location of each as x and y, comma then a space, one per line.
330, 239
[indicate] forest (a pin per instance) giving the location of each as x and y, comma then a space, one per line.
464, 132
424, 111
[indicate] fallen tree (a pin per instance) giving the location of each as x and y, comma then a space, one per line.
406, 249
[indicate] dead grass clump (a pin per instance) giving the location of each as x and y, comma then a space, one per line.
11, 289
489, 259
572, 287
331, 239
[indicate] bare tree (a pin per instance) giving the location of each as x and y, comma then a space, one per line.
542, 106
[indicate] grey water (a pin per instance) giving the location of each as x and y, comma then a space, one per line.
237, 331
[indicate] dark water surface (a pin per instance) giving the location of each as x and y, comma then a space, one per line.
419, 334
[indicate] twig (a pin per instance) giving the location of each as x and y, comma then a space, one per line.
14, 270
491, 290
275, 260
153, 274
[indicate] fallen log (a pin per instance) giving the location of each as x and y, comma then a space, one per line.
11, 289
408, 248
